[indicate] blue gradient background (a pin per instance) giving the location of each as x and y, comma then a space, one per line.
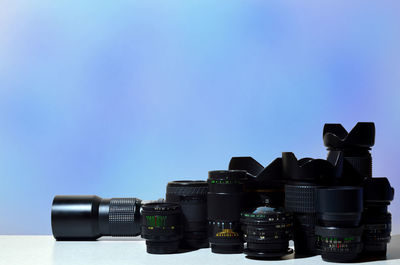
117, 98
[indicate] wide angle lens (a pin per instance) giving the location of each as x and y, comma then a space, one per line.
161, 227
267, 232
192, 197
224, 204
339, 232
90, 217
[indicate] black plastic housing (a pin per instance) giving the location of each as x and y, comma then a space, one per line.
90, 217
267, 232
161, 226
376, 219
192, 197
339, 232
224, 205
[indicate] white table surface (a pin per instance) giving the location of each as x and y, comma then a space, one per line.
44, 250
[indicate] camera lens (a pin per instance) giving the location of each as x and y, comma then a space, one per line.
263, 185
339, 231
267, 232
376, 219
192, 197
303, 177
355, 146
162, 227
224, 204
90, 217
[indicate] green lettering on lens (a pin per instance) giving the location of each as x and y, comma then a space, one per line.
156, 221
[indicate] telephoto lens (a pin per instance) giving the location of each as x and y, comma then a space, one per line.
263, 185
339, 233
90, 217
267, 231
224, 205
192, 197
376, 219
161, 227
303, 177
355, 145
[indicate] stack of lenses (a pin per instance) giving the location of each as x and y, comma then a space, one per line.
192, 197
162, 227
376, 219
267, 232
339, 231
224, 205
303, 177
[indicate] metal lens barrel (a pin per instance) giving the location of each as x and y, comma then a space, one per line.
162, 227
90, 217
224, 204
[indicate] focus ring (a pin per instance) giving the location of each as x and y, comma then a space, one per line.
300, 199
187, 191
362, 165
124, 216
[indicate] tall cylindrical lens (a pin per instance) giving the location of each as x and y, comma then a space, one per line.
162, 227
376, 219
339, 231
192, 197
224, 204
90, 217
267, 232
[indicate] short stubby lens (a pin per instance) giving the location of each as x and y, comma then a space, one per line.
267, 232
192, 197
339, 232
224, 205
162, 227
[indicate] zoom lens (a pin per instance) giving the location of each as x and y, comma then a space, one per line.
162, 227
355, 145
224, 204
376, 219
267, 232
339, 231
303, 177
90, 217
192, 197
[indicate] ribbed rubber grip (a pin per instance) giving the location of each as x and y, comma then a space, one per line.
187, 191
362, 165
300, 199
124, 217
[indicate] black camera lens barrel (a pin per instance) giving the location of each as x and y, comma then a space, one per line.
356, 145
339, 233
267, 232
376, 219
161, 226
224, 205
192, 197
85, 217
